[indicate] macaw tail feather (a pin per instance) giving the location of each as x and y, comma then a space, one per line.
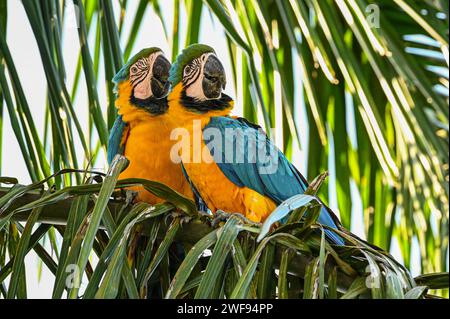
334, 238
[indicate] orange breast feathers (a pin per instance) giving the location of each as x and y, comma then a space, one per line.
148, 147
216, 189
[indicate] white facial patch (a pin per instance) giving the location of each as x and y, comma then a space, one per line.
140, 74
193, 77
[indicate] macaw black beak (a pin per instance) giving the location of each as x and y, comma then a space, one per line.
214, 80
160, 79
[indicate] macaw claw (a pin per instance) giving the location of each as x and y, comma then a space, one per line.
221, 216
184, 219
130, 196
125, 194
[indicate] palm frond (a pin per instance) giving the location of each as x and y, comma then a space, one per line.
358, 88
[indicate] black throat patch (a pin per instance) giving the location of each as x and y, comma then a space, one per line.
151, 105
202, 107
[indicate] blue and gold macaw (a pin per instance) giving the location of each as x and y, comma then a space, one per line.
140, 131
245, 184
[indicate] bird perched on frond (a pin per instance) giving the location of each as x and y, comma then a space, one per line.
230, 180
140, 131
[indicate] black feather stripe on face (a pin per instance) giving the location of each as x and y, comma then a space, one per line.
192, 72
139, 71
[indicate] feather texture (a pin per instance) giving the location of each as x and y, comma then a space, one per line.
256, 163
117, 138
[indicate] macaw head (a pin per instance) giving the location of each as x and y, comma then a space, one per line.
144, 81
202, 78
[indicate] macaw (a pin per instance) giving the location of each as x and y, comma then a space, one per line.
140, 131
249, 187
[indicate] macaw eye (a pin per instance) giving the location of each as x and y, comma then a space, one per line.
134, 69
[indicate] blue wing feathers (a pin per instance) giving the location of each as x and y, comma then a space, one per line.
115, 138
274, 177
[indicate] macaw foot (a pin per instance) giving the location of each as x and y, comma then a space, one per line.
184, 219
130, 196
203, 214
126, 196
220, 217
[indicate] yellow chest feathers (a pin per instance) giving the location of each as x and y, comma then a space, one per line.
148, 147
215, 188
